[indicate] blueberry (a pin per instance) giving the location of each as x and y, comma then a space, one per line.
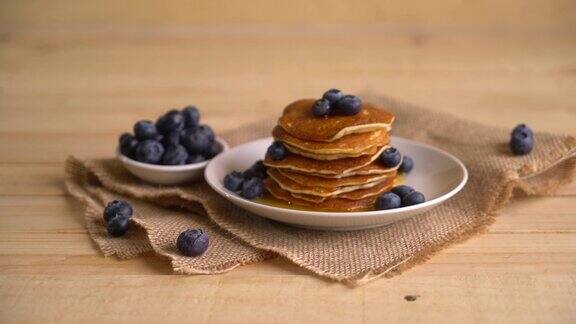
117, 207
149, 151
128, 144
233, 181
407, 164
252, 188
145, 129
175, 155
321, 108
192, 242
276, 151
521, 143
402, 191
207, 130
117, 226
124, 136
191, 116
171, 138
195, 140
390, 158
388, 200
171, 121
214, 149
522, 128
348, 105
195, 158
257, 170
332, 96
413, 198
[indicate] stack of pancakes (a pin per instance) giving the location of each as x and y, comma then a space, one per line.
332, 164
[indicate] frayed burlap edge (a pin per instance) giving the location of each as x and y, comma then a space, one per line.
511, 181
92, 210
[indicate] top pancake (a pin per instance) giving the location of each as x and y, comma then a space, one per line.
298, 121
351, 144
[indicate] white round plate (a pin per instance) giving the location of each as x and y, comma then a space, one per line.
167, 174
437, 174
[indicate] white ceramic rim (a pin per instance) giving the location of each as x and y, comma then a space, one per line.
218, 187
169, 168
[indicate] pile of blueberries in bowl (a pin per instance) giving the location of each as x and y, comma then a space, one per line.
173, 150
176, 138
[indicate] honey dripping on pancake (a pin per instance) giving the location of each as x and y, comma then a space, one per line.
269, 200
272, 201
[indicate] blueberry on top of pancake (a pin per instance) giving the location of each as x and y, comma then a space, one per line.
299, 121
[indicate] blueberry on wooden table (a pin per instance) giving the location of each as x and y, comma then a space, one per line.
117, 208
391, 157
192, 242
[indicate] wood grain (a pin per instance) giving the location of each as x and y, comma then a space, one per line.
72, 91
485, 13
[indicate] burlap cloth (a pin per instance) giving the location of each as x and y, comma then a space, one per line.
238, 237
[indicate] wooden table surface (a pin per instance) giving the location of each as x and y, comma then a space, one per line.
72, 91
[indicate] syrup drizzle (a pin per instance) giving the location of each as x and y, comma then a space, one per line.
272, 201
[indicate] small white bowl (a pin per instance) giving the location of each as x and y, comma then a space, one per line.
167, 174
437, 174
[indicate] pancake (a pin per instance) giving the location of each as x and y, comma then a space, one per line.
294, 187
350, 144
298, 121
371, 169
359, 194
328, 157
336, 204
315, 181
335, 168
